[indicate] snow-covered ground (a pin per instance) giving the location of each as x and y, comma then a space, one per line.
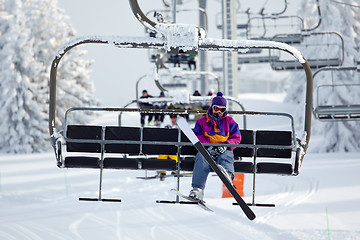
40, 201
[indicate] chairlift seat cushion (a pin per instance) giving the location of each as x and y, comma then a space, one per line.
83, 132
187, 150
187, 164
279, 138
243, 167
121, 163
122, 133
274, 168
247, 137
82, 162
158, 164
160, 135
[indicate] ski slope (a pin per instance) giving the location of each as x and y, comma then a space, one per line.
40, 201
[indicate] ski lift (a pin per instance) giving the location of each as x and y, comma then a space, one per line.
328, 44
345, 110
242, 17
266, 27
241, 20
181, 76
101, 140
280, 28
190, 100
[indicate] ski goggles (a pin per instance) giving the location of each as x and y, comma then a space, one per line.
218, 108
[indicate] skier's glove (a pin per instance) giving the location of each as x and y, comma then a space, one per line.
213, 152
216, 151
221, 149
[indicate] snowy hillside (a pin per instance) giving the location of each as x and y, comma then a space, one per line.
40, 201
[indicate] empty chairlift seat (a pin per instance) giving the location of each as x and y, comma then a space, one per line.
247, 138
83, 132
123, 134
158, 135
278, 139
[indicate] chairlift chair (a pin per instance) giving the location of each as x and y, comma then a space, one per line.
94, 138
204, 100
347, 109
266, 27
330, 44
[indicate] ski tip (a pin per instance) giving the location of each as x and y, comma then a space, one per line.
251, 216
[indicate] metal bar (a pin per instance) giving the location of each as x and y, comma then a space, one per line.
139, 15
254, 173
101, 163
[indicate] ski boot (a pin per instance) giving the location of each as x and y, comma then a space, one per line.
197, 194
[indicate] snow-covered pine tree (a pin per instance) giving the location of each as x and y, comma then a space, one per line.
31, 33
340, 135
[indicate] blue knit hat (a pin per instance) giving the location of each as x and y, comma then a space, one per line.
219, 100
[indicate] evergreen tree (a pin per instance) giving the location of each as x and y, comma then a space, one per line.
31, 33
333, 135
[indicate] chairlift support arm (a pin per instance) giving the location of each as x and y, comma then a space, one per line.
319, 21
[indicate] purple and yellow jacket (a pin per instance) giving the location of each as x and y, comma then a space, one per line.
224, 130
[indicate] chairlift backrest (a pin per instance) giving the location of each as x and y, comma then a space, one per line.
265, 27
160, 135
324, 48
345, 108
122, 133
83, 132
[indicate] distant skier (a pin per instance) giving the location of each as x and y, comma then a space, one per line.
215, 127
145, 105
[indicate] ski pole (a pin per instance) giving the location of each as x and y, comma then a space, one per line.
327, 223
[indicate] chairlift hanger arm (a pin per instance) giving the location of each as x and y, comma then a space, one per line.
283, 11
139, 15
319, 17
121, 42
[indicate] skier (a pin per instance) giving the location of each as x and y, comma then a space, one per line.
215, 127
144, 105
159, 117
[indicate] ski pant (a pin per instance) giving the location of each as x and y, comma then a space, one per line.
202, 167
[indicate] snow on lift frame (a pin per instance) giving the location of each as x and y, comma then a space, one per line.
338, 112
191, 41
278, 63
161, 57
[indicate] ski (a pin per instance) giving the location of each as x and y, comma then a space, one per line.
200, 203
183, 125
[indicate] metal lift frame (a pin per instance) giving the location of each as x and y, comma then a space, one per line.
199, 42
347, 112
314, 63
